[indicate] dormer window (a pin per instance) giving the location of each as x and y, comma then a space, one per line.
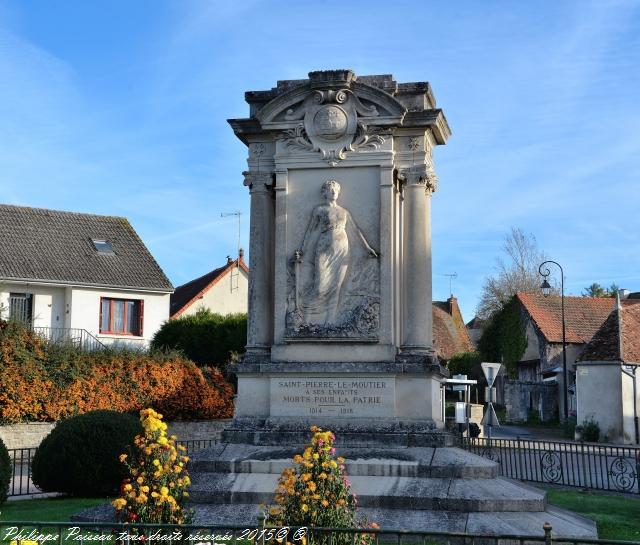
102, 246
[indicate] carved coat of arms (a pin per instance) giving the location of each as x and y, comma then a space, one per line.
331, 125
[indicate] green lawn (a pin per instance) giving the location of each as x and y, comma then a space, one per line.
44, 510
617, 517
47, 509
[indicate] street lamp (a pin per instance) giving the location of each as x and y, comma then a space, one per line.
546, 291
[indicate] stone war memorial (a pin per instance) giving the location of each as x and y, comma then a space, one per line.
341, 177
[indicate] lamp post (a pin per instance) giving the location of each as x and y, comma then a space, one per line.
546, 291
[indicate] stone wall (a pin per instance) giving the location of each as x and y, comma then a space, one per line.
26, 435
521, 397
31, 434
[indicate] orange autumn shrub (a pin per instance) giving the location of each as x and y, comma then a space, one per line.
42, 382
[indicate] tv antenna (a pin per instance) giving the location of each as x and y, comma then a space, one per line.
239, 215
452, 277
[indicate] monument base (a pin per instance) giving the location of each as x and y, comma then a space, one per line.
381, 432
398, 395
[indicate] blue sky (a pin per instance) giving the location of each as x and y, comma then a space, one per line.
119, 107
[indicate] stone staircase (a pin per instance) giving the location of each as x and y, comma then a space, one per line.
441, 489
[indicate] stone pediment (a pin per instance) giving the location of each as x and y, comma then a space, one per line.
331, 113
334, 112
331, 86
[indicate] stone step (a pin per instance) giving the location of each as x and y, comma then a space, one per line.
245, 515
564, 523
438, 494
408, 462
350, 432
351, 439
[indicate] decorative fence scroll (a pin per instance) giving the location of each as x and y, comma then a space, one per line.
584, 465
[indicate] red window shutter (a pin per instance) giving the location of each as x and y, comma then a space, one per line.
140, 316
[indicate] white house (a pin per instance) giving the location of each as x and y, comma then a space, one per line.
80, 276
607, 376
224, 290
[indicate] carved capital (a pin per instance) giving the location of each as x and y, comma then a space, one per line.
258, 181
420, 175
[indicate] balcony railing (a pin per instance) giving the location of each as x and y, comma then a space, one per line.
79, 338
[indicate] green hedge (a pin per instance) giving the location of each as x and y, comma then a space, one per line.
205, 338
505, 338
81, 455
466, 363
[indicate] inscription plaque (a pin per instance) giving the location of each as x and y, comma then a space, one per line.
333, 396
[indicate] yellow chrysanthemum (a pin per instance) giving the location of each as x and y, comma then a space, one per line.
119, 503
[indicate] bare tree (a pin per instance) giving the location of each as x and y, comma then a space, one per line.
516, 272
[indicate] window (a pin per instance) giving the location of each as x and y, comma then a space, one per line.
121, 316
21, 307
103, 246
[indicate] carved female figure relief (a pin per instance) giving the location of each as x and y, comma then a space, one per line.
323, 261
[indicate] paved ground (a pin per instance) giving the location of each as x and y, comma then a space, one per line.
528, 432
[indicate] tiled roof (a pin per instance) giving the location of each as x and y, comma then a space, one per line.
583, 315
605, 344
476, 323
38, 244
188, 293
450, 335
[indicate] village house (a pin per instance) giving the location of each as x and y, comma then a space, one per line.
224, 290
475, 328
450, 336
607, 376
539, 386
80, 278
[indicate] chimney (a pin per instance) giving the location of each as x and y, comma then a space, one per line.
241, 253
229, 260
453, 305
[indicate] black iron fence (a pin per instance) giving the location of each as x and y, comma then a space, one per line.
127, 534
22, 485
584, 465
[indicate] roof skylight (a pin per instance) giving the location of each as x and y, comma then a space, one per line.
103, 246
